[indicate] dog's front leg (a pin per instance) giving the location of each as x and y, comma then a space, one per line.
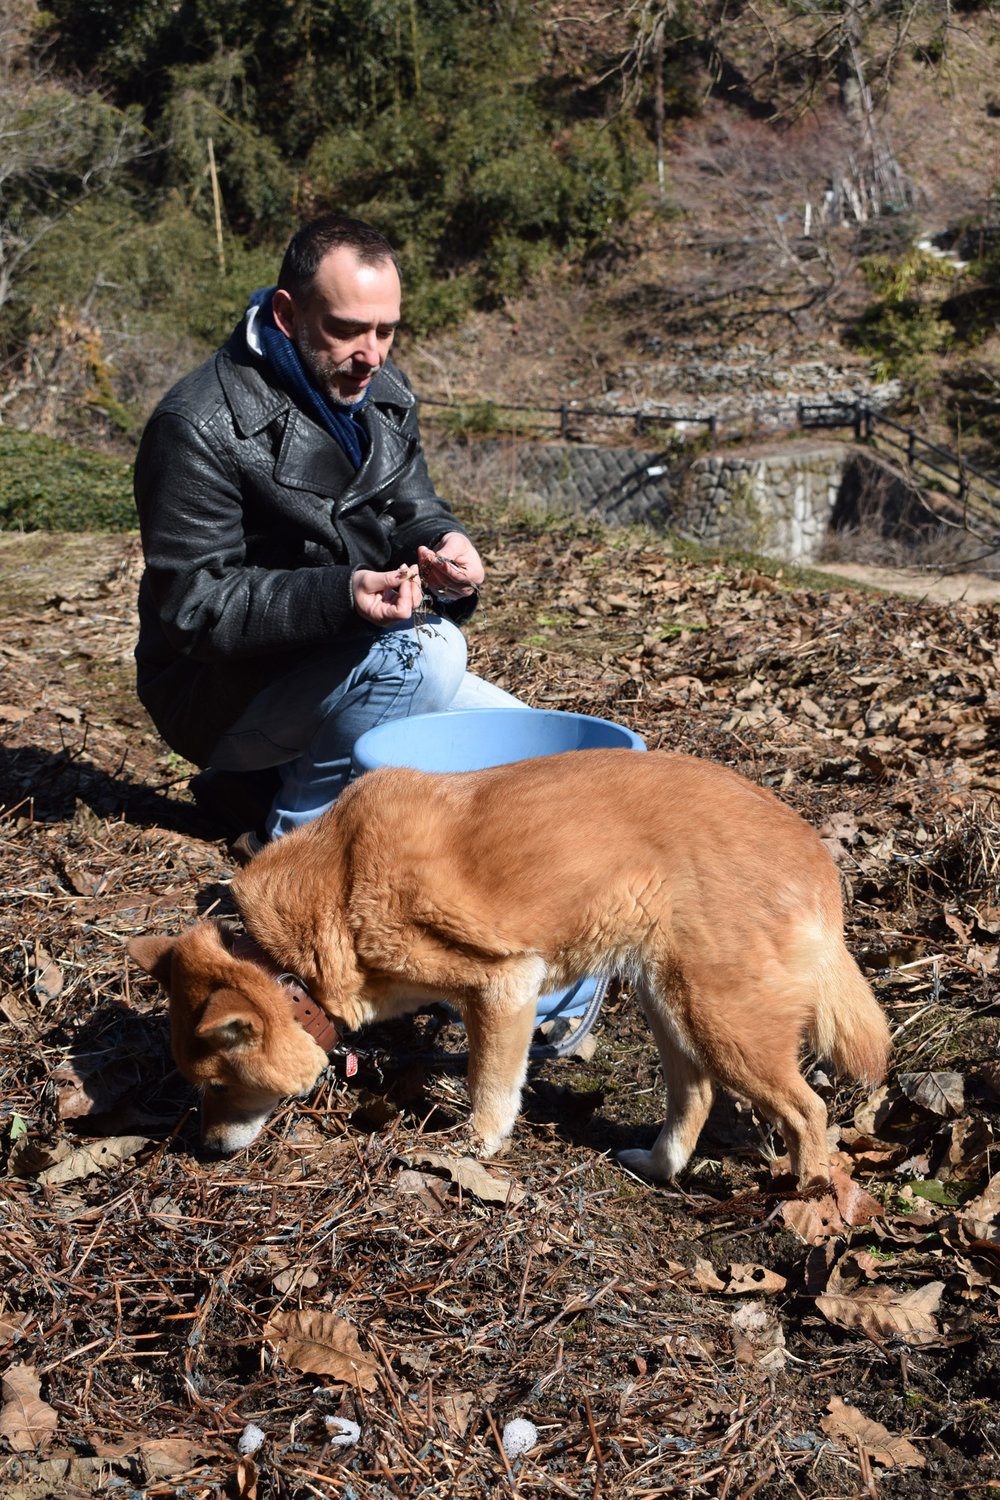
498, 1061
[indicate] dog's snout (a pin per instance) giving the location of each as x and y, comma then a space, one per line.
215, 1149
227, 1136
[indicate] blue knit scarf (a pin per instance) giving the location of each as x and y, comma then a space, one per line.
281, 354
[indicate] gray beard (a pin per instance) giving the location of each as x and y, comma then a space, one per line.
321, 373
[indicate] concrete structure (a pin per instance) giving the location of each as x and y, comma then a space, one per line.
779, 504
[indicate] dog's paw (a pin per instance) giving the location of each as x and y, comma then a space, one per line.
487, 1146
643, 1163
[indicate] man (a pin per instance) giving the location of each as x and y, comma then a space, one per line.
290, 533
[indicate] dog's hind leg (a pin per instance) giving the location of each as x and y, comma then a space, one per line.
777, 1090
752, 1049
499, 1038
690, 1092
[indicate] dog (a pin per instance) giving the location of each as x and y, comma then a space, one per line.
714, 900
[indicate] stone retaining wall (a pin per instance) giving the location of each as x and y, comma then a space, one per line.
779, 505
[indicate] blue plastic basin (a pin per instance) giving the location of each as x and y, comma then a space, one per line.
472, 739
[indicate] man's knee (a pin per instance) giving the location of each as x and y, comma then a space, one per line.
440, 663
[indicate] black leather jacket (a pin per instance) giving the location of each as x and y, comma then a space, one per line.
253, 521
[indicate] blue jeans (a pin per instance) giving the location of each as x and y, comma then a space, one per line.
306, 722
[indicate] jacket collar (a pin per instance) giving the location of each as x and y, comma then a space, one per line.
309, 458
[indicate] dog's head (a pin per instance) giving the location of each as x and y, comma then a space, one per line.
232, 1032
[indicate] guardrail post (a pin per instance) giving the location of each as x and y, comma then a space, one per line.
713, 426
640, 424
869, 421
911, 445
857, 421
563, 420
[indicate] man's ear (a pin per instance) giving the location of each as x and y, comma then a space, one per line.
154, 955
229, 1022
283, 308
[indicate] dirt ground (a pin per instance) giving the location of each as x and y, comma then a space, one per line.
934, 586
161, 1314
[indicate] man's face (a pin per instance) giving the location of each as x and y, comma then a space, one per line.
344, 327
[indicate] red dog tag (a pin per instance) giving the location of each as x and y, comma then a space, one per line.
350, 1064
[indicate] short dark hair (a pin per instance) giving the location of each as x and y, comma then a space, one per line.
314, 240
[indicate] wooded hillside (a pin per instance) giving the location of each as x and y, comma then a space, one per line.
658, 172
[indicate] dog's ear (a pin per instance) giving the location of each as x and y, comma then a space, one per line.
229, 1021
152, 954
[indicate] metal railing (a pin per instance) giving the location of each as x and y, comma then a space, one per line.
971, 488
569, 416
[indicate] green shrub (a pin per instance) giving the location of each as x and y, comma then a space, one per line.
481, 191
902, 337
47, 485
903, 330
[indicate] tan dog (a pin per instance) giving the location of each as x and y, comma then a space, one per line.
487, 888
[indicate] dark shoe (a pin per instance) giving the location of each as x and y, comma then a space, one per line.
243, 849
234, 800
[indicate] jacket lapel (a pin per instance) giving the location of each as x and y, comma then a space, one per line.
309, 458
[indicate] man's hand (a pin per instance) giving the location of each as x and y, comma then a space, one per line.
454, 571
387, 598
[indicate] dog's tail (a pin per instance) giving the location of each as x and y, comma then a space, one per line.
848, 1025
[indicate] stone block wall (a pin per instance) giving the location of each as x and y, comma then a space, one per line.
621, 485
779, 505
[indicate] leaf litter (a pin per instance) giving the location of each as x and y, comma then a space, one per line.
723, 1335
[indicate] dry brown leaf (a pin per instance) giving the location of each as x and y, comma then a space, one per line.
48, 980
883, 1314
28, 1157
430, 1190
977, 1226
852, 1271
456, 1409
969, 1143
97, 1157
940, 1093
758, 1336
817, 1266
853, 1203
11, 1324
961, 929
985, 1208
847, 1424
990, 1075
750, 1280
246, 1479
813, 1219
471, 1176
161, 1458
63, 1474
294, 1279
26, 1421
320, 1343
91, 1082
705, 1277
873, 1113
865, 1153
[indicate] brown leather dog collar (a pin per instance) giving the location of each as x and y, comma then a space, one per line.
311, 1017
